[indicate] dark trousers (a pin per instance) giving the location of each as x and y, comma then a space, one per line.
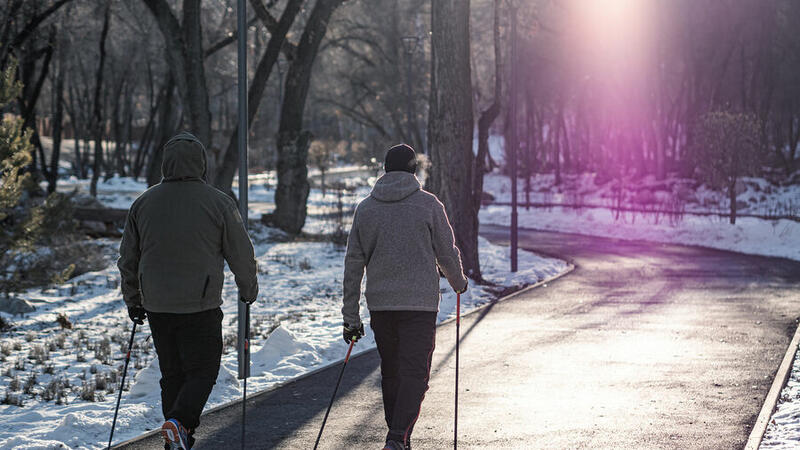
189, 348
405, 341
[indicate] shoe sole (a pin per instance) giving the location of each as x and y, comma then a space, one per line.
172, 436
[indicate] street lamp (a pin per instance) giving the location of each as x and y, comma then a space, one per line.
410, 44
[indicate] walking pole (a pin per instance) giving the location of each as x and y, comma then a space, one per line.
458, 339
346, 358
122, 384
244, 381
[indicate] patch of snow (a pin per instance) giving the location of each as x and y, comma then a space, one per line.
749, 235
783, 430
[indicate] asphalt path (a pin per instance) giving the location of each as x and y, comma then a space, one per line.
642, 346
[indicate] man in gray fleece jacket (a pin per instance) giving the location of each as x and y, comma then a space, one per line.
176, 239
402, 237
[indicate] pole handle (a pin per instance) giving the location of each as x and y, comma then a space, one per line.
458, 307
350, 349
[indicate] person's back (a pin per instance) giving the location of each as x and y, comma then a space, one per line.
404, 235
182, 224
401, 237
176, 239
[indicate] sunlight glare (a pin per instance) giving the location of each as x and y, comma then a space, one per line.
612, 31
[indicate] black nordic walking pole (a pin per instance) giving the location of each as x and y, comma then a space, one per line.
458, 339
122, 384
244, 381
346, 358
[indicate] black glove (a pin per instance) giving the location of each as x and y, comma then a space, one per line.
137, 314
352, 333
244, 300
466, 285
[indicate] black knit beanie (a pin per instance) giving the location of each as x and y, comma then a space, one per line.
401, 157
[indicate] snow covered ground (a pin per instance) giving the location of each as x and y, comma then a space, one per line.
783, 430
754, 195
748, 235
66, 379
116, 192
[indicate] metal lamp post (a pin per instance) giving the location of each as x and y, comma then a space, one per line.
410, 44
514, 144
244, 310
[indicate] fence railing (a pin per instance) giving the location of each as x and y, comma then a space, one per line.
647, 211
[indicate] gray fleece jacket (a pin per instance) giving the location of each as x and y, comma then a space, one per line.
177, 235
400, 234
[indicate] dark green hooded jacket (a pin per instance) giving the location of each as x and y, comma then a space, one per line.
177, 235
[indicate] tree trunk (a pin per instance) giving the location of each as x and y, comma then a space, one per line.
732, 198
58, 115
32, 89
659, 147
118, 118
97, 124
486, 119
527, 156
291, 193
77, 128
556, 150
146, 142
322, 181
562, 124
165, 124
450, 125
185, 58
196, 97
224, 176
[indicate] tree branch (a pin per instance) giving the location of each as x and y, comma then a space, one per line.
29, 28
224, 42
289, 49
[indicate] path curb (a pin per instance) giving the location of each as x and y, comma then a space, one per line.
569, 269
771, 400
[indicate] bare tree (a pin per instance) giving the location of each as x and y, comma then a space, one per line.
488, 117
58, 115
185, 57
728, 148
450, 125
278, 29
292, 139
97, 122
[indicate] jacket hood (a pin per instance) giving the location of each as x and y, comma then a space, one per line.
395, 186
184, 158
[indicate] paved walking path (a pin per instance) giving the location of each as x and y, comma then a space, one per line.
642, 346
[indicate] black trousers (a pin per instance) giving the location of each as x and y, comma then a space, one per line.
189, 348
405, 341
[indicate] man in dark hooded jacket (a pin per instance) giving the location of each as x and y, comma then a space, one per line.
177, 236
402, 237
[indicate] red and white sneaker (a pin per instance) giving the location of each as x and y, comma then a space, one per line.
175, 435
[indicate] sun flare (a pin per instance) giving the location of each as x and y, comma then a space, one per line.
611, 31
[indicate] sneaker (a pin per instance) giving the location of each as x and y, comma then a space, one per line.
393, 445
175, 435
